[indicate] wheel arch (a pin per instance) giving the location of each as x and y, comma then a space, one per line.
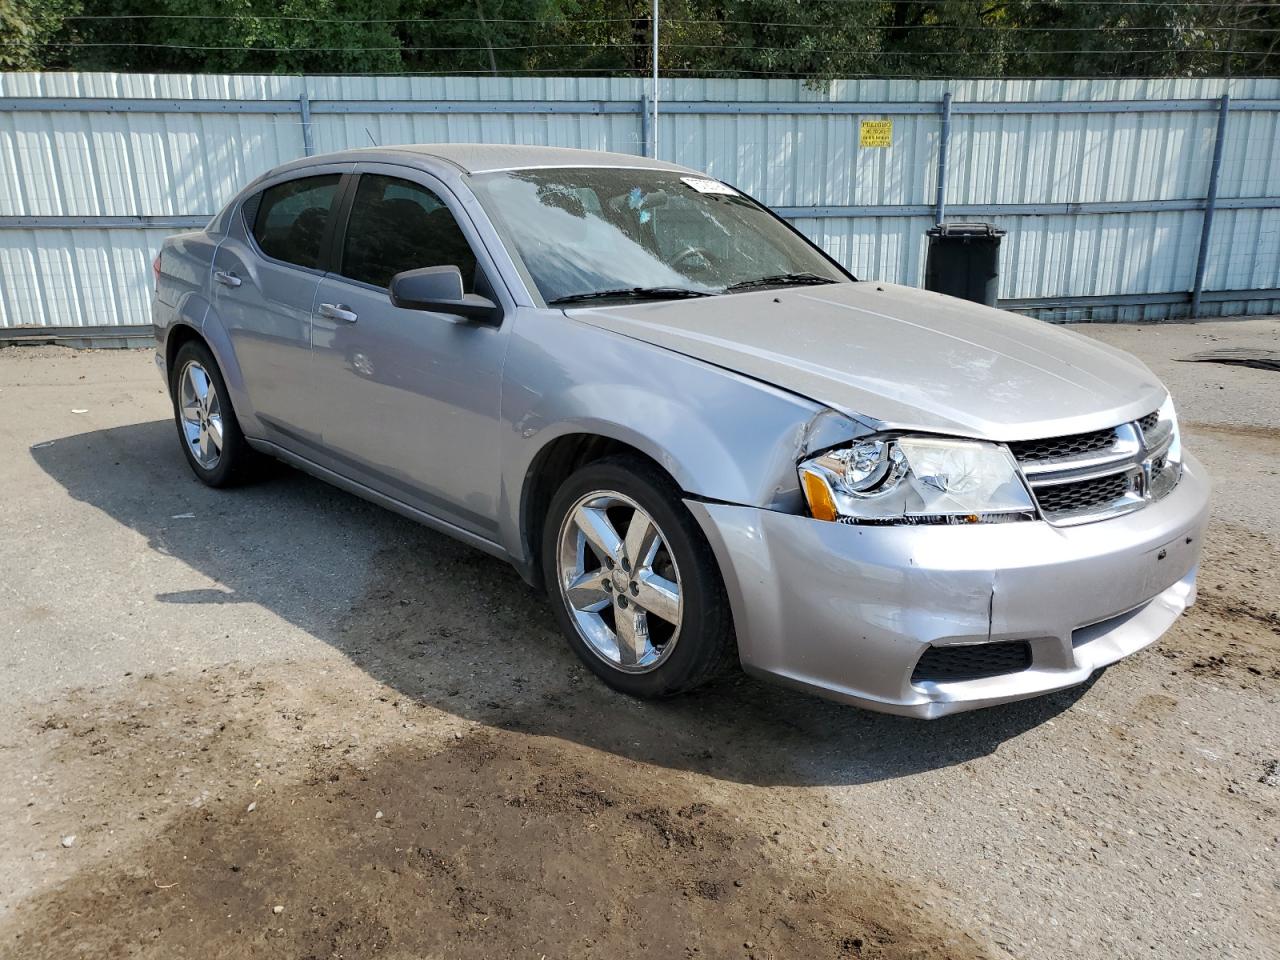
179, 335
554, 462
212, 332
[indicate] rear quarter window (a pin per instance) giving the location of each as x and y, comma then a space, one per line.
290, 219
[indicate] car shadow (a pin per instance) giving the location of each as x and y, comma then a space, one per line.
446, 625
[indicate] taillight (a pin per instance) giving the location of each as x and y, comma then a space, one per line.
155, 269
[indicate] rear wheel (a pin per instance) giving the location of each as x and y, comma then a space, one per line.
210, 436
633, 582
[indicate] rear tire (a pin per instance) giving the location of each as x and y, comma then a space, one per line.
208, 431
652, 625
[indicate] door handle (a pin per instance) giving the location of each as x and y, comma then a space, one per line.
226, 278
338, 311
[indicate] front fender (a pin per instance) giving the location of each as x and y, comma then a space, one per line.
721, 436
660, 427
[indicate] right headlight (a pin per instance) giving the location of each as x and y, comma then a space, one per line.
916, 480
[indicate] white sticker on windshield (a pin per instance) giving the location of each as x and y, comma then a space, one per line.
706, 185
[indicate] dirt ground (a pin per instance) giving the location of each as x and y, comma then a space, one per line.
280, 722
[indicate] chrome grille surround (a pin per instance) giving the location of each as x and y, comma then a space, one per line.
1091, 476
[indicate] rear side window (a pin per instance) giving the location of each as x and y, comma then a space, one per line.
292, 217
396, 225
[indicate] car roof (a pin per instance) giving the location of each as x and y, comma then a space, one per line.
487, 157
456, 159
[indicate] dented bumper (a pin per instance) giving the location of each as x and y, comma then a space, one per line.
848, 611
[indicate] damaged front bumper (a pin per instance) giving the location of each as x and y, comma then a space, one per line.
848, 611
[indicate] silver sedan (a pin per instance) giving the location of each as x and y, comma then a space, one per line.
704, 438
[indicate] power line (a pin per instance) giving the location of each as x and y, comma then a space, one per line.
348, 49
816, 25
799, 25
817, 51
1002, 28
1085, 3
334, 20
980, 52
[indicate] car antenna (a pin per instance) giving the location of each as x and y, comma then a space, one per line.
370, 136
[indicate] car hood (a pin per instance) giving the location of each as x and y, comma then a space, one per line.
904, 358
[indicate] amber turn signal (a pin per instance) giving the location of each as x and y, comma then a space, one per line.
821, 504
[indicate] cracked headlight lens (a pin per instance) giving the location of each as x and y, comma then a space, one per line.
916, 480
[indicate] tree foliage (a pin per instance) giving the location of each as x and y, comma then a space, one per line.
813, 39
26, 29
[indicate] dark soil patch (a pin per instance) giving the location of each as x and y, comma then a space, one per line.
500, 845
1233, 631
1243, 431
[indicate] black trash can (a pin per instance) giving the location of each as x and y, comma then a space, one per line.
964, 261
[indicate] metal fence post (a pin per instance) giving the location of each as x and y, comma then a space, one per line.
646, 149
1210, 203
655, 78
943, 141
304, 107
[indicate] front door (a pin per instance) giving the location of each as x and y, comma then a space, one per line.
410, 399
266, 273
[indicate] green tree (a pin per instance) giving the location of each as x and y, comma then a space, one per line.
26, 27
814, 39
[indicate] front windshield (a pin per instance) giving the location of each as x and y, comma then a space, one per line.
598, 230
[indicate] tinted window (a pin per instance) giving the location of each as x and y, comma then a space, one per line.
395, 226
292, 216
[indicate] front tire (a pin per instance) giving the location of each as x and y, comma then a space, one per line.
208, 431
633, 582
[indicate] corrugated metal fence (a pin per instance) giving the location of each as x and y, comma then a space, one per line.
1101, 185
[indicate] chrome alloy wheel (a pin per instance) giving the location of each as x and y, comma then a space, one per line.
619, 581
201, 413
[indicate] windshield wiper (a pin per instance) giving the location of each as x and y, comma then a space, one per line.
631, 293
781, 280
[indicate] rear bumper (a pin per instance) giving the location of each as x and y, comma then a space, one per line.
847, 611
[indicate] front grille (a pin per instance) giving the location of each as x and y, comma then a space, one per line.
1087, 476
1061, 448
973, 661
1096, 493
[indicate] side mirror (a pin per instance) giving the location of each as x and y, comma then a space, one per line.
439, 290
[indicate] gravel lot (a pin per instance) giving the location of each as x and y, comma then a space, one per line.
281, 722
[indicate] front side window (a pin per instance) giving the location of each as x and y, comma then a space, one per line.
292, 217
398, 225
584, 231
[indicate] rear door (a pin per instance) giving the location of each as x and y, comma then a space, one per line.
266, 274
410, 399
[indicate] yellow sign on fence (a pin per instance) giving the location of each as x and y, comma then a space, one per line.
875, 133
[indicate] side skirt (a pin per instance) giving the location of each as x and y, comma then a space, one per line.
381, 499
